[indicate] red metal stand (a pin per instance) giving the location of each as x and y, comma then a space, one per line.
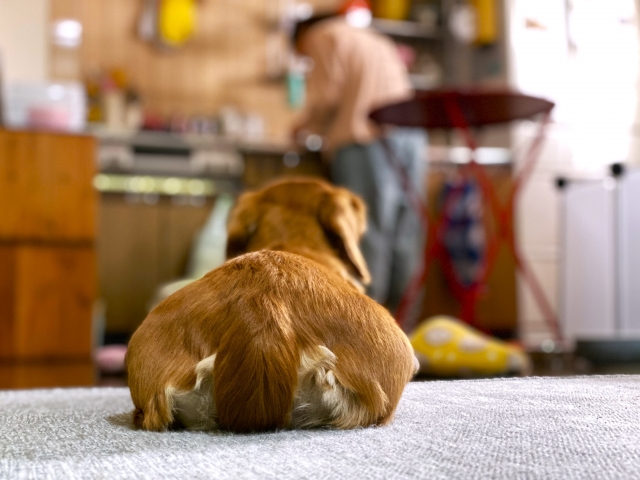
461, 111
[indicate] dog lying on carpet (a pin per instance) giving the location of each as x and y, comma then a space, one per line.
281, 337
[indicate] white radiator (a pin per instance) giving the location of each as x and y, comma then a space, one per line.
630, 255
600, 297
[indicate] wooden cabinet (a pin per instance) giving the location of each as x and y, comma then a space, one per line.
144, 245
140, 247
47, 297
46, 189
47, 257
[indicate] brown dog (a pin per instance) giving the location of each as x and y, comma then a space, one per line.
279, 337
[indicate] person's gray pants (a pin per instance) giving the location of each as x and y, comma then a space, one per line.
393, 243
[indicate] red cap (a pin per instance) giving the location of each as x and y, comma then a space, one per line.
350, 5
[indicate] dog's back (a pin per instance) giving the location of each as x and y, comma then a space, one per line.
274, 338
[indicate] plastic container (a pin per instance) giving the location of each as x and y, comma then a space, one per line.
57, 106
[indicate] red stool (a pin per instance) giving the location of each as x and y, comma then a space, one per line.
461, 110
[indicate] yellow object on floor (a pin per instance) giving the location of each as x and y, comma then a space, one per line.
447, 347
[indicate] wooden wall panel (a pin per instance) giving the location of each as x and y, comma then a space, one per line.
224, 64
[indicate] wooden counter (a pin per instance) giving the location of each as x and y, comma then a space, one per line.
47, 254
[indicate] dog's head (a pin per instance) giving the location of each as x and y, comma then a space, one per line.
305, 216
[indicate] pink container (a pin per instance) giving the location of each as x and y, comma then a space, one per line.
49, 118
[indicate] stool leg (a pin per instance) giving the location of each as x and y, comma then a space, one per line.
504, 214
433, 226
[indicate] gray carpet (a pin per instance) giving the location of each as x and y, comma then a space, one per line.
514, 428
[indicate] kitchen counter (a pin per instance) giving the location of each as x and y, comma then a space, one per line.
168, 153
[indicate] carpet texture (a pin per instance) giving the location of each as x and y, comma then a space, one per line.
586, 427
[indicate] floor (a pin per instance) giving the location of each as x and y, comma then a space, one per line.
85, 374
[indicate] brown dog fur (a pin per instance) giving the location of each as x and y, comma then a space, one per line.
279, 337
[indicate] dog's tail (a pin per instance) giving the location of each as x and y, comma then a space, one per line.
256, 369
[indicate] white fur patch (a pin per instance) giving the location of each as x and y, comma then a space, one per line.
320, 399
420, 362
196, 408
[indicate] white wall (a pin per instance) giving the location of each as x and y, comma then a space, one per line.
634, 149
537, 65
538, 227
23, 39
593, 87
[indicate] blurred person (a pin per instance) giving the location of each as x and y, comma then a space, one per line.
356, 70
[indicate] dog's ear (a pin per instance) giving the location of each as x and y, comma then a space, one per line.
343, 216
242, 223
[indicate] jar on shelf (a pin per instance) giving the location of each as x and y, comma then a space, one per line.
392, 9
